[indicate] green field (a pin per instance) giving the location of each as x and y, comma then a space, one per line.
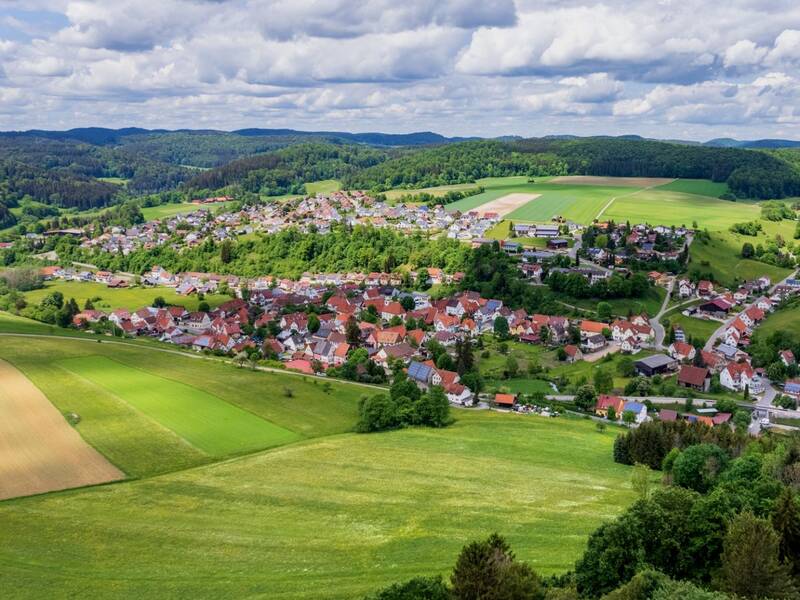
333, 518
699, 187
622, 307
783, 320
658, 207
579, 203
519, 386
204, 421
112, 298
325, 186
696, 328
134, 433
722, 256
170, 210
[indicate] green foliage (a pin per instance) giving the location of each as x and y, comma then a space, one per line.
586, 397
786, 522
487, 570
750, 561
419, 588
776, 211
405, 405
751, 228
699, 466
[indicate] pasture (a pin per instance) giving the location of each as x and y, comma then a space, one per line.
334, 518
40, 450
633, 182
698, 187
202, 420
164, 211
131, 298
787, 319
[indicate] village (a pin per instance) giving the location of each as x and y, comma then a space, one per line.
316, 323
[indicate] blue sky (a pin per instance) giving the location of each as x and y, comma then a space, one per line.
686, 69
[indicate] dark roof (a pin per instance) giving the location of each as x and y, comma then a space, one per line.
656, 361
695, 376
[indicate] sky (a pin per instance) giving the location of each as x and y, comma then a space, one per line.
670, 69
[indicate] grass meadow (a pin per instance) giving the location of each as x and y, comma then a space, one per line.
783, 320
112, 298
164, 211
204, 421
699, 187
696, 328
334, 517
325, 186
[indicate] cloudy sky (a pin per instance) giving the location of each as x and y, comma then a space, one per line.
692, 69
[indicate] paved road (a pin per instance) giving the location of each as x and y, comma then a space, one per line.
655, 322
722, 328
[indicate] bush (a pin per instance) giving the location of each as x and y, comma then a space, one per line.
698, 467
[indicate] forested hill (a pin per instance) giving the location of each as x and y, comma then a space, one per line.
749, 173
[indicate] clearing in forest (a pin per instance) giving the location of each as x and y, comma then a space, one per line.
39, 450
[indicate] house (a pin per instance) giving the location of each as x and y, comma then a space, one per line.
682, 351
685, 288
605, 402
705, 288
738, 376
717, 307
638, 409
655, 365
589, 328
792, 387
557, 244
573, 353
668, 415
697, 378
593, 343
505, 400
787, 358
421, 374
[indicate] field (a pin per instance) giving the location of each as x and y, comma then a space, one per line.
40, 451
622, 307
633, 182
170, 210
722, 256
332, 518
135, 439
782, 320
200, 419
700, 187
519, 386
659, 207
324, 186
113, 298
696, 328
506, 204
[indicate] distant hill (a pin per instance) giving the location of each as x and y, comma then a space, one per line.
765, 143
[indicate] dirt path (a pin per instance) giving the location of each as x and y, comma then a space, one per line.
39, 451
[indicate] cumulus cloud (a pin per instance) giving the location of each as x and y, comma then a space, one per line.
482, 67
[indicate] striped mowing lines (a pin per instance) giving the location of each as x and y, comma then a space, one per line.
202, 419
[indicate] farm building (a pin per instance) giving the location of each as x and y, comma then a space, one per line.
655, 365
697, 378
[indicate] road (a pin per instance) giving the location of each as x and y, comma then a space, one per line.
722, 328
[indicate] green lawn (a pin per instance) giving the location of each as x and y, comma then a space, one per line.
201, 419
700, 187
696, 328
112, 298
324, 186
493, 366
519, 386
334, 518
659, 207
722, 257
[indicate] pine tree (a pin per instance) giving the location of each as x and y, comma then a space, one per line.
786, 521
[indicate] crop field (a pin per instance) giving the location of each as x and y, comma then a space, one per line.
506, 204
578, 202
699, 187
633, 182
112, 298
659, 207
333, 518
140, 444
204, 421
40, 451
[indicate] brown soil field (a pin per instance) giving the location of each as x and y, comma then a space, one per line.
39, 450
506, 204
638, 182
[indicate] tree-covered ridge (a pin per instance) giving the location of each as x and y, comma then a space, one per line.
290, 253
454, 163
749, 173
285, 171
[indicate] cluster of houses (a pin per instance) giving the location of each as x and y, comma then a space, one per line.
316, 213
641, 242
